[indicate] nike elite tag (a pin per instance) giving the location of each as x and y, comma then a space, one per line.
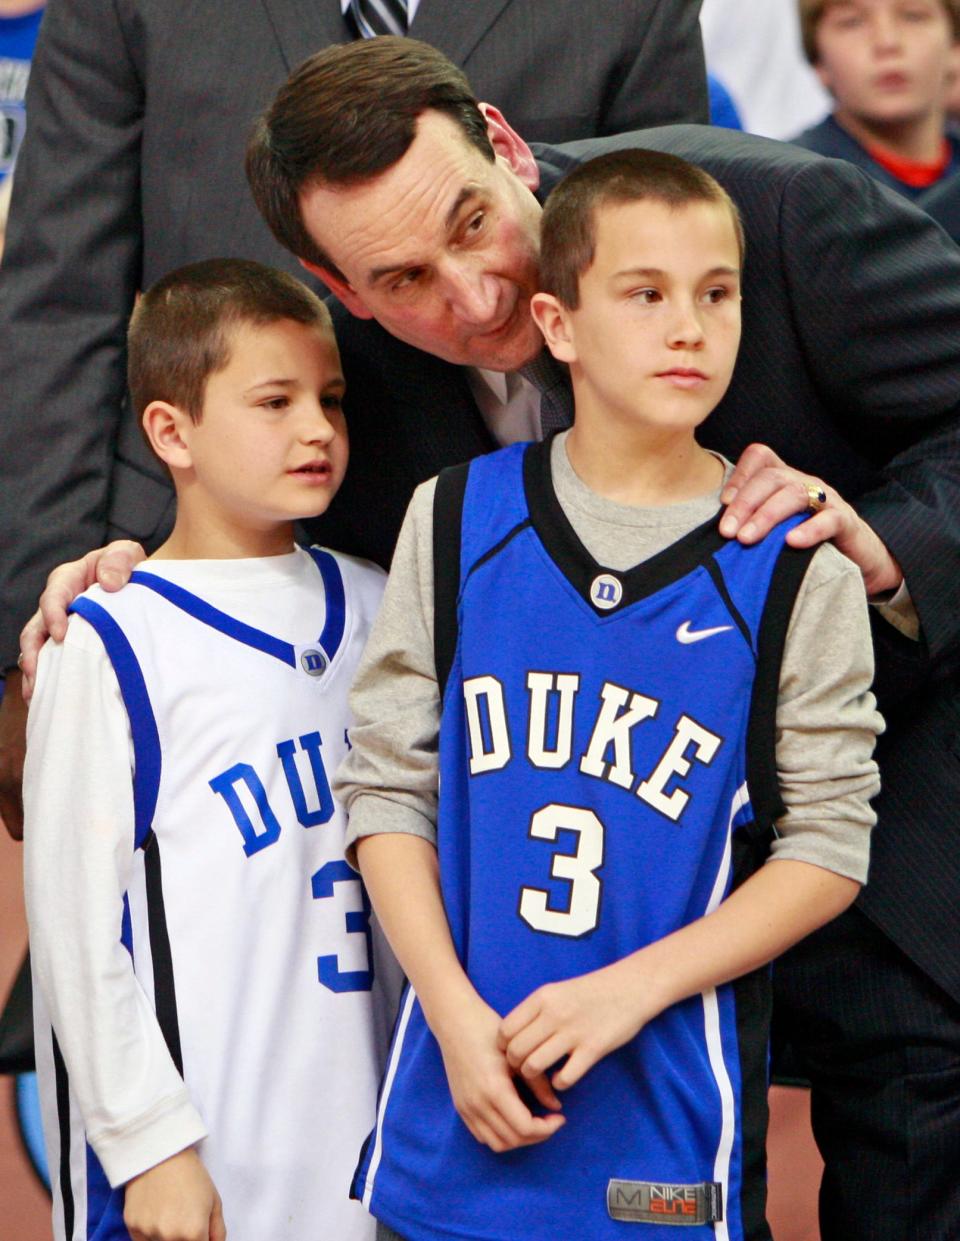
646, 1202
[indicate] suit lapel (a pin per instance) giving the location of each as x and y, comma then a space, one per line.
455, 28
303, 27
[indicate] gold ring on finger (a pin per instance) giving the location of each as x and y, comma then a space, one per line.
816, 497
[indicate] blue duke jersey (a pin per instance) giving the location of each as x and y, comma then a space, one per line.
607, 774
249, 933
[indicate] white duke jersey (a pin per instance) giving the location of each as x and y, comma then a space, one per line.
607, 774
249, 932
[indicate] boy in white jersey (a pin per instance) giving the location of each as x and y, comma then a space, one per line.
209, 1017
619, 703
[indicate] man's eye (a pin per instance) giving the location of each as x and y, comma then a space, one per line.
476, 222
407, 278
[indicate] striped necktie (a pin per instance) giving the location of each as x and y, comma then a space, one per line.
552, 380
373, 17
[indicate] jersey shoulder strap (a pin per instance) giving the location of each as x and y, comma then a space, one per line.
789, 571
477, 506
447, 526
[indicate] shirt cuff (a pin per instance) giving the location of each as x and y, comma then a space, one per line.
898, 610
168, 1129
371, 815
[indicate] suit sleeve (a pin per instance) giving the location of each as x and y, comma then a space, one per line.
70, 274
876, 290
665, 81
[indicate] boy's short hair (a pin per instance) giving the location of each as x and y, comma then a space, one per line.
327, 124
179, 330
811, 14
568, 229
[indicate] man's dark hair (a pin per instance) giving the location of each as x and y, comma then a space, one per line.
568, 229
179, 333
346, 115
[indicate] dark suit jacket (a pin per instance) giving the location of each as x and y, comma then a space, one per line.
133, 165
941, 200
850, 369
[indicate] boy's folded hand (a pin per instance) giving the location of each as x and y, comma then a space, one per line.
582, 1019
482, 1085
174, 1201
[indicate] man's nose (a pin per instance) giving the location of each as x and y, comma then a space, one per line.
472, 293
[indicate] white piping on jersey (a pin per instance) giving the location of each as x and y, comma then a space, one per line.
387, 1086
711, 1022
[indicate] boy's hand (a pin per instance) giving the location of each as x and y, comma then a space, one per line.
583, 1019
763, 491
109, 566
174, 1201
482, 1086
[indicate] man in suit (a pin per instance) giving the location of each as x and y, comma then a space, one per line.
139, 111
849, 370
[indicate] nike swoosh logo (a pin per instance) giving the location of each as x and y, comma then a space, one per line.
687, 635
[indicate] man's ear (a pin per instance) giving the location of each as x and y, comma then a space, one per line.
166, 427
553, 320
342, 291
508, 144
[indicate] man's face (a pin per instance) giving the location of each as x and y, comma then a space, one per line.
653, 343
885, 61
442, 249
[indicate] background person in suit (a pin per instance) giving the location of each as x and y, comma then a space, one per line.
134, 166
849, 370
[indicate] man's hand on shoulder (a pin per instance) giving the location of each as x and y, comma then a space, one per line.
763, 491
109, 567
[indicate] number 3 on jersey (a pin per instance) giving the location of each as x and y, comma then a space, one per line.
578, 869
357, 922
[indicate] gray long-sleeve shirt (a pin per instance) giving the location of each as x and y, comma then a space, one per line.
827, 720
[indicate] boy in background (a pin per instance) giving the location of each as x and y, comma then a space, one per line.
889, 66
209, 1019
616, 706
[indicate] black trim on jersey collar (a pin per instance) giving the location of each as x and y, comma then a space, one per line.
565, 549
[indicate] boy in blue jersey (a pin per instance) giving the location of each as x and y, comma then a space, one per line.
579, 717
209, 1023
